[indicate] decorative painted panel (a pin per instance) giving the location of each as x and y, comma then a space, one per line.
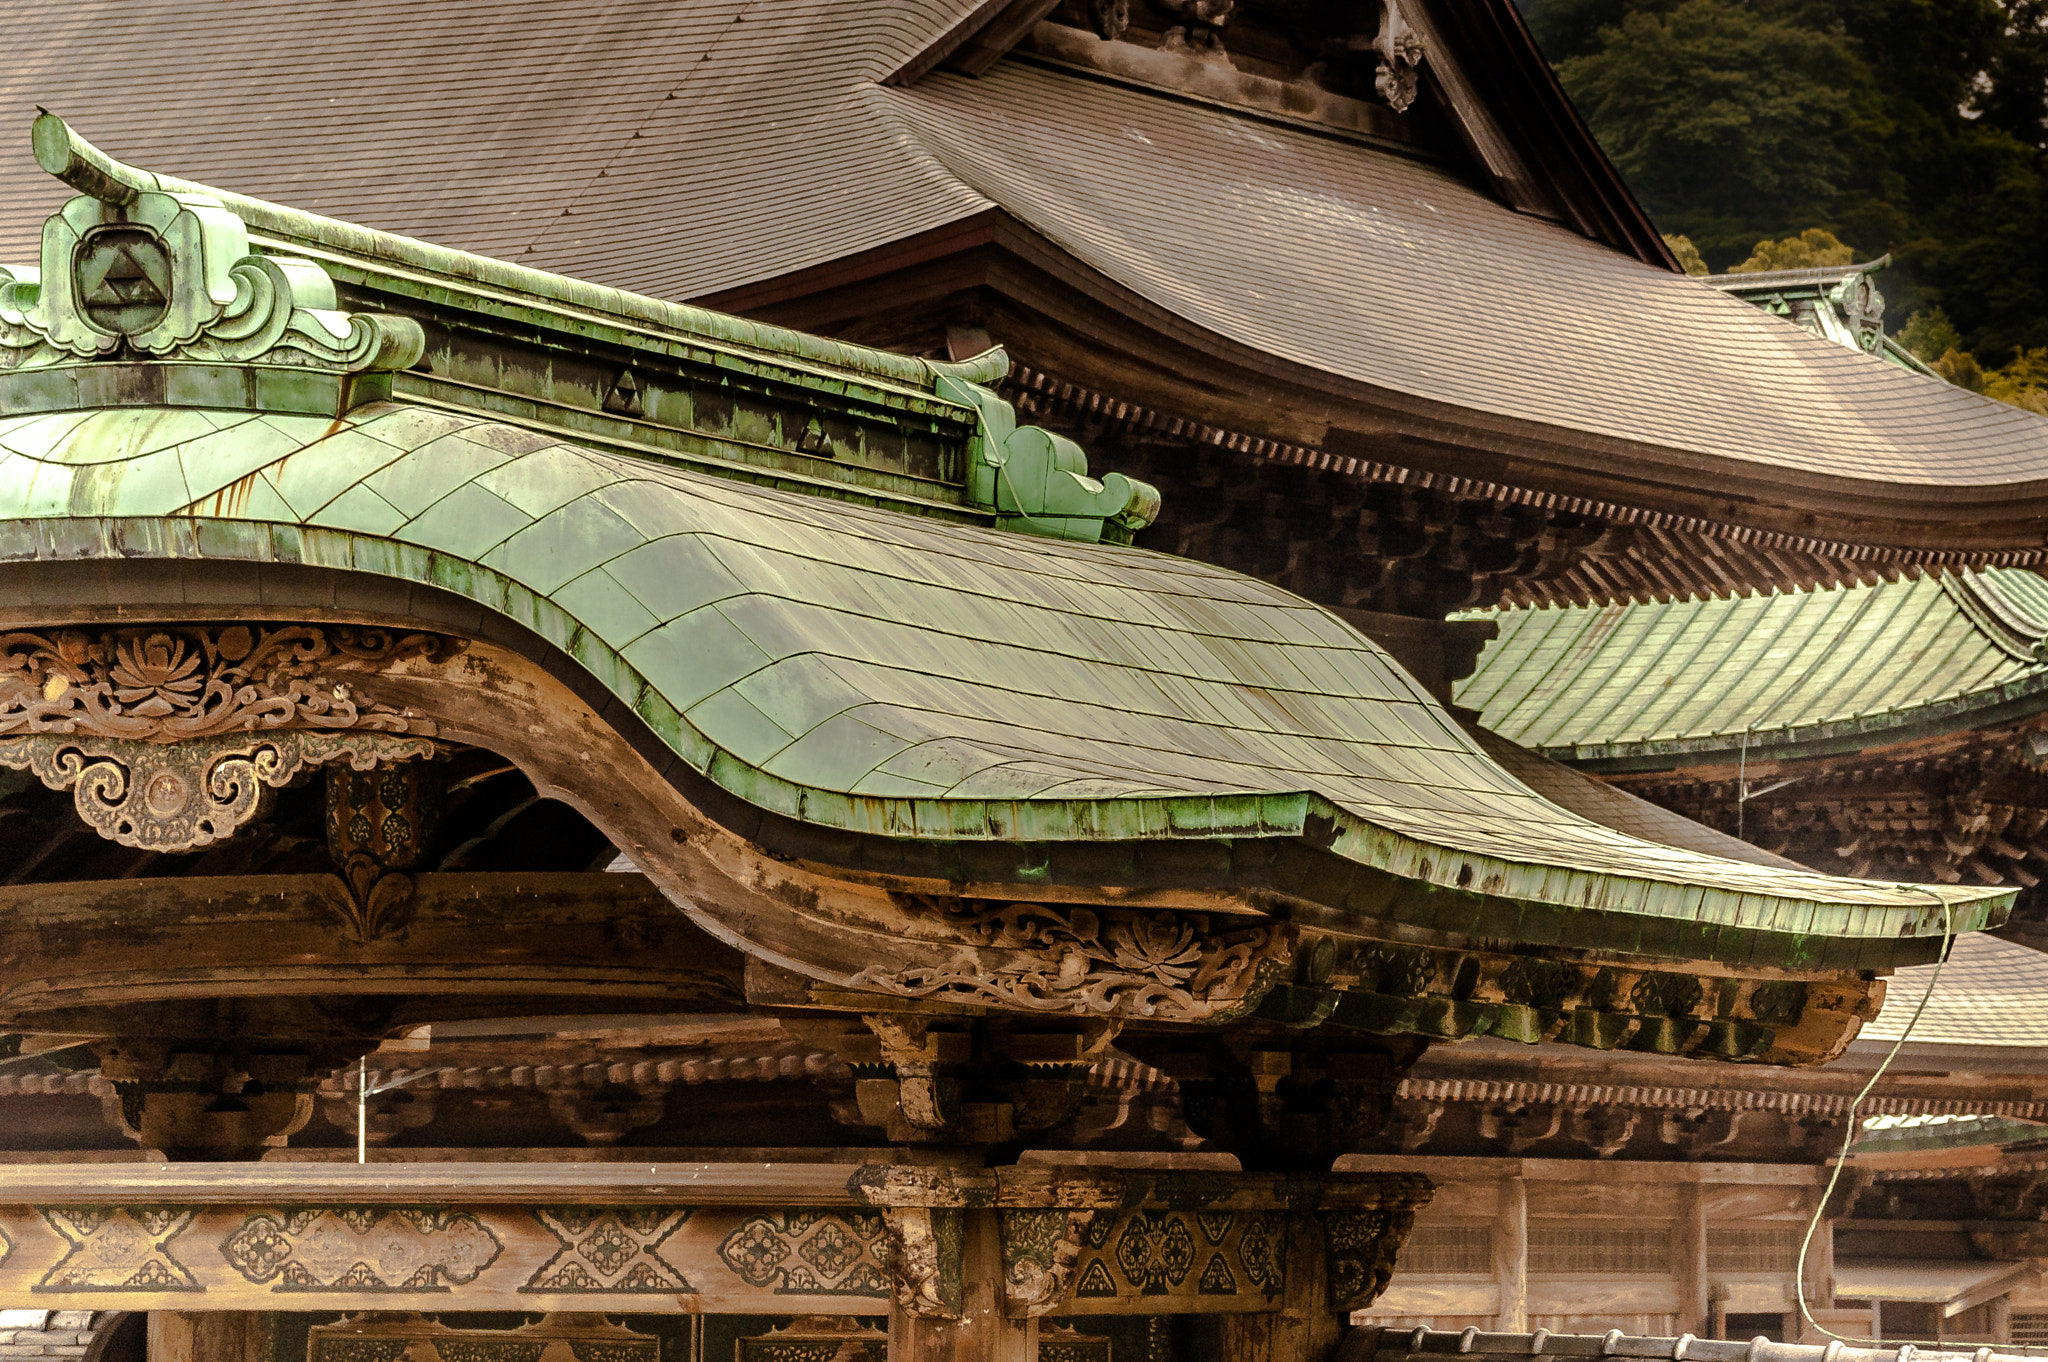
644, 1259
1180, 1262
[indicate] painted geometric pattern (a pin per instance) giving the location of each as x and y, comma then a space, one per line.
125, 1248
872, 667
361, 1248
610, 1249
1183, 1253
811, 1253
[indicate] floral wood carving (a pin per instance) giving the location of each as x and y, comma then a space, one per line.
1401, 51
1040, 1250
180, 797
1104, 962
169, 684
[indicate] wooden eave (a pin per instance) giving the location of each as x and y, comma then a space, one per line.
1057, 314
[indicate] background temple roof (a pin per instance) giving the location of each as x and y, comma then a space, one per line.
684, 151
1991, 992
1759, 671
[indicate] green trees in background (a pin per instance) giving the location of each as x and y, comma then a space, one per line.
1914, 126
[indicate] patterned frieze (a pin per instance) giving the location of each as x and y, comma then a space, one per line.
713, 1238
556, 1338
369, 1257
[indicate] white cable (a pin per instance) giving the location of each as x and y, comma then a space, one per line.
1948, 937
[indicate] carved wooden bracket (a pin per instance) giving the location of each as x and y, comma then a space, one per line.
172, 738
1041, 1248
378, 824
184, 796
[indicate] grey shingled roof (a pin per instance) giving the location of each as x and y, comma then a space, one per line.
1859, 664
685, 149
1991, 992
47, 1334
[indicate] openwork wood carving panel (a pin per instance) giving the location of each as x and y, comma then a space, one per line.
173, 738
1097, 961
166, 685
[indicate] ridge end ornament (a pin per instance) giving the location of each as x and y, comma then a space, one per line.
129, 269
1401, 50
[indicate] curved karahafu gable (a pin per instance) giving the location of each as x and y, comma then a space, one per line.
895, 756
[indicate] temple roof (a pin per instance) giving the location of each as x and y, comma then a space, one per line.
1991, 992
876, 672
1776, 675
732, 146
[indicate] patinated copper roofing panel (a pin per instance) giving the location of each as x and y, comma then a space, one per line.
865, 670
1759, 671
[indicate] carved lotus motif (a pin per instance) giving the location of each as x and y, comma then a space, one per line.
157, 673
1162, 946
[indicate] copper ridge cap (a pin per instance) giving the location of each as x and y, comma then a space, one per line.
60, 151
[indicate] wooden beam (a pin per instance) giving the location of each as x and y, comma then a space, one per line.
939, 1249
977, 41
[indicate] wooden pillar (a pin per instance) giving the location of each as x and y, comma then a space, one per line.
1305, 1328
1820, 1259
1511, 1256
2001, 1319
981, 1334
1695, 1312
210, 1336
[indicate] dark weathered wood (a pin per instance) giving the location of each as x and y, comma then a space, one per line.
71, 954
983, 1333
1305, 1328
210, 1336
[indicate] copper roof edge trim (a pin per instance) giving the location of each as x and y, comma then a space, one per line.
69, 157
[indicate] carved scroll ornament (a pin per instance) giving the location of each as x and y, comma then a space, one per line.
175, 275
184, 796
1401, 51
173, 738
1100, 962
169, 684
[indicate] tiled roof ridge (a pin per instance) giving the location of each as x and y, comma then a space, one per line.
62, 152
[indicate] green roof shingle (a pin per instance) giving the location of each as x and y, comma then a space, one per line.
865, 670
1762, 671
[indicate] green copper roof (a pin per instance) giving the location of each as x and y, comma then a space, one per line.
864, 669
1791, 672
